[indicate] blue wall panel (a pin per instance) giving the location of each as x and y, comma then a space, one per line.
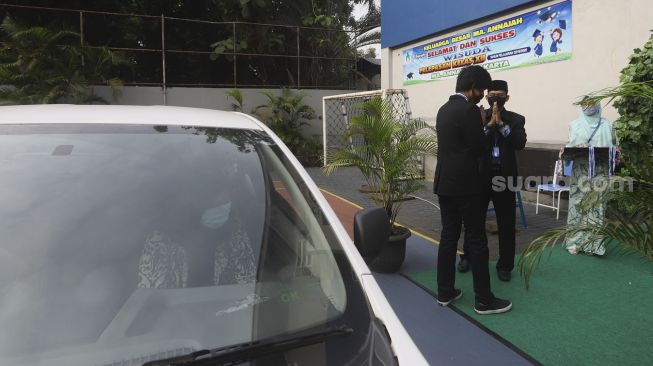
404, 21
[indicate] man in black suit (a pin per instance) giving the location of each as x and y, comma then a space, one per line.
462, 189
505, 134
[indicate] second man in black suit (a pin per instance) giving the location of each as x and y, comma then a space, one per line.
505, 134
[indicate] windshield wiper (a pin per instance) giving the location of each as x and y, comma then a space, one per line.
251, 350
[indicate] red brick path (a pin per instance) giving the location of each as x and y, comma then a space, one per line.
344, 210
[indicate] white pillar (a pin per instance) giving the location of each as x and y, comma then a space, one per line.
386, 68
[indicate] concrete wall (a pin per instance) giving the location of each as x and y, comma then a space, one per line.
213, 98
605, 34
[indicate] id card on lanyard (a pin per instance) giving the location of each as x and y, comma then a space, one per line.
496, 153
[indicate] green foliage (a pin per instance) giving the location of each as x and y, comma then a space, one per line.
255, 34
326, 42
310, 152
386, 158
368, 53
238, 97
39, 65
634, 102
286, 114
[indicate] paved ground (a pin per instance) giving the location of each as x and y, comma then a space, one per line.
424, 217
443, 334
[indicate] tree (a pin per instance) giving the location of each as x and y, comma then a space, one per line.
321, 26
368, 53
315, 45
39, 65
368, 28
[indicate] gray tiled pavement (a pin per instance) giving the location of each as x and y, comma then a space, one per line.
425, 218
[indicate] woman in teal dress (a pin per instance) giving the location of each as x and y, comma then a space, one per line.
589, 130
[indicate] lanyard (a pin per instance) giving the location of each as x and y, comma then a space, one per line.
594, 133
592, 162
613, 160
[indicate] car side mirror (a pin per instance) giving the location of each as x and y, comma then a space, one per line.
371, 231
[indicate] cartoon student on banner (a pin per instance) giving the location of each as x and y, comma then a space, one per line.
538, 37
556, 37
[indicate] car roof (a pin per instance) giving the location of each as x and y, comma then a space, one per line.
119, 114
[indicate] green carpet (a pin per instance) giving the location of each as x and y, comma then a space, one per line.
579, 310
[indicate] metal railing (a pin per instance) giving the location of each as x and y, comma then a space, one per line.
239, 60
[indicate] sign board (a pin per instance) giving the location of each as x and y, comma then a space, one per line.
540, 36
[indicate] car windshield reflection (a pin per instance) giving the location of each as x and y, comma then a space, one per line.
154, 241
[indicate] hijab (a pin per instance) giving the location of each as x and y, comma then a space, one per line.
581, 129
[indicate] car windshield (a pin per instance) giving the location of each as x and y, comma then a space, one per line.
132, 242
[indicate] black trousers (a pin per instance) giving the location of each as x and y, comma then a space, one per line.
469, 211
505, 209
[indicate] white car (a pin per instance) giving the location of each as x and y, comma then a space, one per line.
165, 235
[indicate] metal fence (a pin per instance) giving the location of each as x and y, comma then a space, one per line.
170, 51
338, 111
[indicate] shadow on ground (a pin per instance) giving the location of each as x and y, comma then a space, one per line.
424, 217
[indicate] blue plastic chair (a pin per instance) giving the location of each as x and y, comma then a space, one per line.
553, 188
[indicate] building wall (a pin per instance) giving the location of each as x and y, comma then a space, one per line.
605, 33
214, 98
407, 20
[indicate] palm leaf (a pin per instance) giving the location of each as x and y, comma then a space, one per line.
629, 227
642, 89
237, 95
386, 157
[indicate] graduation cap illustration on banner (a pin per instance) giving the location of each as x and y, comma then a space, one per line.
537, 33
562, 24
547, 16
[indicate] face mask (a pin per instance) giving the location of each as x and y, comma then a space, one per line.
591, 110
214, 218
499, 100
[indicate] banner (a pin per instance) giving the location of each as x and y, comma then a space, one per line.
537, 37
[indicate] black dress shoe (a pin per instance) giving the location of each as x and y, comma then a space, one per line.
445, 301
463, 265
494, 306
504, 275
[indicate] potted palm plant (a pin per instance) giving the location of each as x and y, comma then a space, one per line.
386, 158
